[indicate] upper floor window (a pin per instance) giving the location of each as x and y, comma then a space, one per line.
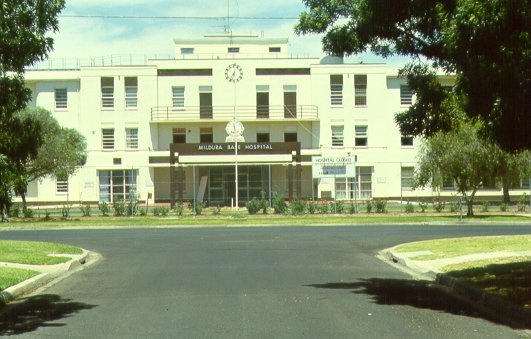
337, 135
131, 92
360, 90
406, 140
274, 49
262, 102
187, 50
61, 98
290, 136
107, 92
361, 139
131, 138
336, 89
205, 102
61, 185
406, 95
233, 50
179, 135
290, 101
206, 136
107, 138
177, 96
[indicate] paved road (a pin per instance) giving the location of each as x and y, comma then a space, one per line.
276, 282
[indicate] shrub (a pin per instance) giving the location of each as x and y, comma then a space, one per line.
339, 206
410, 208
253, 206
522, 203
28, 213
160, 211
85, 210
216, 210
179, 208
454, 207
196, 208
438, 204
504, 207
312, 206
353, 208
15, 211
369, 206
143, 212
485, 206
298, 206
324, 208
278, 203
380, 205
104, 208
119, 207
47, 216
423, 206
65, 210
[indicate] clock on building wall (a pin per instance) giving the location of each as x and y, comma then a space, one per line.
234, 73
234, 130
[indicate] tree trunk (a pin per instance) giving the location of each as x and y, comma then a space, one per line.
470, 203
505, 188
24, 204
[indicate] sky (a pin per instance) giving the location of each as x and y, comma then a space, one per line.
95, 36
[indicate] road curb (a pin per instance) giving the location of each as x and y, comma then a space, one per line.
490, 304
13, 292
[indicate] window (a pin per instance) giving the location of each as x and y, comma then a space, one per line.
361, 139
406, 95
187, 50
205, 102
290, 101
262, 102
407, 178
336, 89
406, 140
177, 96
274, 49
117, 185
179, 135
233, 50
131, 92
337, 136
363, 183
205, 135
131, 138
290, 136
107, 92
107, 138
61, 98
61, 185
448, 183
262, 137
360, 90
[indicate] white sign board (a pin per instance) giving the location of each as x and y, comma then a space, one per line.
333, 166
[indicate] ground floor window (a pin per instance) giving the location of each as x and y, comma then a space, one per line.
116, 185
221, 188
355, 188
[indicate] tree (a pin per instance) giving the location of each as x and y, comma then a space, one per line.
62, 151
459, 155
513, 168
486, 44
23, 41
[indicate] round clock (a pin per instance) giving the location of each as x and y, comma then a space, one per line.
234, 73
234, 128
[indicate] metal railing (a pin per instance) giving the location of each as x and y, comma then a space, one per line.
249, 113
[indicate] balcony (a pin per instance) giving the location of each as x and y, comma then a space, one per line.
243, 113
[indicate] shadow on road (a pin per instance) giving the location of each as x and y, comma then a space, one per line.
420, 294
28, 314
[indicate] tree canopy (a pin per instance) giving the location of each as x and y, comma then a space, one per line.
486, 44
23, 41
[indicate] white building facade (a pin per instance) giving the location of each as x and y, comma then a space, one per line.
158, 128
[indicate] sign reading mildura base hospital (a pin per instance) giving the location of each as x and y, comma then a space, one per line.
333, 166
243, 148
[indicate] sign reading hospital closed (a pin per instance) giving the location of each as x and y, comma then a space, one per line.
333, 166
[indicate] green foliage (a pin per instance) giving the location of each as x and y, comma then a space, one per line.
312, 206
523, 203
196, 208
324, 207
352, 208
216, 210
409, 207
423, 206
179, 208
504, 207
65, 210
380, 205
298, 206
28, 213
368, 206
438, 204
85, 210
159, 211
485, 206
278, 203
253, 206
142, 211
445, 34
119, 207
104, 208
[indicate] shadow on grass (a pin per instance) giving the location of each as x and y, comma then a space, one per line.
511, 281
419, 294
28, 314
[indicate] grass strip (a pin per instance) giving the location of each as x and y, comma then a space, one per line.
35, 253
454, 247
12, 276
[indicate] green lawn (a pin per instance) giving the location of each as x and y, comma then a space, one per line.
13, 276
35, 253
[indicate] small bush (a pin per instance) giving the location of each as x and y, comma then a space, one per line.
119, 208
485, 206
160, 211
312, 206
253, 206
522, 203
278, 203
216, 210
143, 212
65, 210
324, 208
380, 205
352, 208
369, 206
423, 206
85, 210
298, 206
47, 216
28, 213
339, 206
179, 208
104, 208
196, 209
410, 208
454, 207
15, 211
504, 207
438, 204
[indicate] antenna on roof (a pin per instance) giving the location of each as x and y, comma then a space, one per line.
227, 26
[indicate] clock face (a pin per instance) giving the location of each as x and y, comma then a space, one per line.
234, 73
234, 127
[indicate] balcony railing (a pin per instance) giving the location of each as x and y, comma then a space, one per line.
225, 113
